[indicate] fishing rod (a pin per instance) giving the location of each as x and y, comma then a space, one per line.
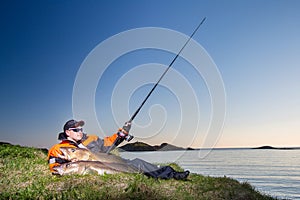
130, 137
170, 65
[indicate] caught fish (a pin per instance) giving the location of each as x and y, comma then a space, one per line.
85, 154
113, 161
86, 167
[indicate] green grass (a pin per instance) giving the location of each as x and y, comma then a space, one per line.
25, 175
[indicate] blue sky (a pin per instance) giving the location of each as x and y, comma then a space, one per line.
254, 44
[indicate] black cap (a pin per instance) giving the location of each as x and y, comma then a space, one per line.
73, 124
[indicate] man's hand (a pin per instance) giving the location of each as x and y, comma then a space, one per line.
124, 132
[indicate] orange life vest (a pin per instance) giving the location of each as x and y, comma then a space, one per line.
54, 152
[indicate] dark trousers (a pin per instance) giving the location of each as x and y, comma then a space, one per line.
151, 170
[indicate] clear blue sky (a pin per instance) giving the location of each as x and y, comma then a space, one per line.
255, 45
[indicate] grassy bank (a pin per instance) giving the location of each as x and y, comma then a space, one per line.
25, 175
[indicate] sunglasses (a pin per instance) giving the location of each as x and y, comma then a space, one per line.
76, 129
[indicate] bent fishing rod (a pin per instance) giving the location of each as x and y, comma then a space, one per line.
130, 137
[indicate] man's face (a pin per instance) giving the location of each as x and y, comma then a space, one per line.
75, 133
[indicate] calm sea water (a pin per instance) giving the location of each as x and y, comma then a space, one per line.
272, 172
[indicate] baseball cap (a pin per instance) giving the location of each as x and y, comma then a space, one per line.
73, 124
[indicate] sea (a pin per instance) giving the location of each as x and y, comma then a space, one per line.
269, 171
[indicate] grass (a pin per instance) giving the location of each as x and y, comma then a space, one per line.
25, 175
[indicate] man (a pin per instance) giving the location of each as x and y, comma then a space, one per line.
73, 136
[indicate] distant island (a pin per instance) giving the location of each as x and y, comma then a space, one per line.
277, 148
140, 146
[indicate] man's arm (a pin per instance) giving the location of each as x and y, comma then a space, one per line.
96, 144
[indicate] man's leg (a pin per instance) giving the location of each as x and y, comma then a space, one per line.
154, 171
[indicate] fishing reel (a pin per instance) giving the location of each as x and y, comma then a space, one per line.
128, 137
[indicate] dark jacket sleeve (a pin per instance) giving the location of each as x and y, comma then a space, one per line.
96, 144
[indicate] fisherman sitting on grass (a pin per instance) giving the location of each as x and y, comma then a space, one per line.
73, 136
